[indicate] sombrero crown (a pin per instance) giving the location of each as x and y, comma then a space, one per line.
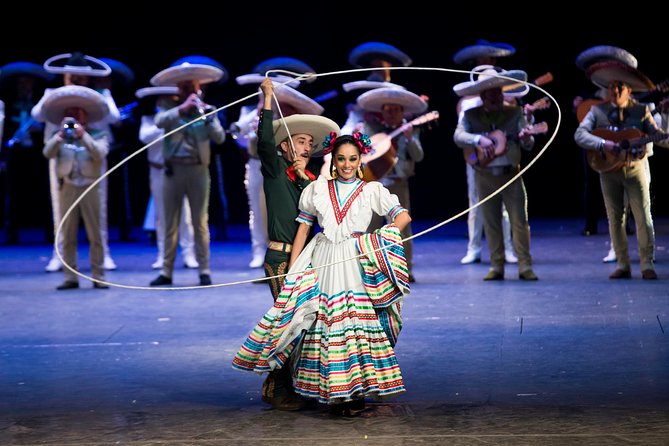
316, 126
60, 99
277, 63
197, 59
374, 100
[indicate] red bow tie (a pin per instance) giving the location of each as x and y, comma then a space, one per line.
293, 175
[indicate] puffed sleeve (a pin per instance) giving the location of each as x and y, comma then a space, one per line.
306, 206
383, 202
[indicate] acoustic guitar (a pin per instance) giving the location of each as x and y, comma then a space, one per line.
630, 146
383, 155
478, 156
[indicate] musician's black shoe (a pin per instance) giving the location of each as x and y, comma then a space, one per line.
68, 285
205, 279
161, 280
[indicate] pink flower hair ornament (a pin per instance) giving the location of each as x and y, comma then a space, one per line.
362, 140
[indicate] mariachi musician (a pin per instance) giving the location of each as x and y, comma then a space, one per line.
473, 131
625, 175
394, 105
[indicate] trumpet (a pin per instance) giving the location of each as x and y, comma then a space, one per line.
244, 128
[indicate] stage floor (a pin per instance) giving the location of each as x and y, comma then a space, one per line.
575, 358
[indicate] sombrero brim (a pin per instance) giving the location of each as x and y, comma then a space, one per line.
363, 55
60, 99
369, 85
473, 52
602, 73
302, 103
205, 74
374, 100
603, 53
58, 65
15, 69
316, 126
255, 79
156, 91
471, 88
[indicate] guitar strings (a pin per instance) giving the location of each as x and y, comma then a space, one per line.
300, 76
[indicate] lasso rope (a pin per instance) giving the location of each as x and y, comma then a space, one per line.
299, 76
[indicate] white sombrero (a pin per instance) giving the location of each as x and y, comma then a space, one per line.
489, 78
316, 126
518, 91
60, 99
603, 53
369, 85
483, 48
197, 59
77, 63
364, 54
156, 91
187, 71
302, 103
374, 100
602, 73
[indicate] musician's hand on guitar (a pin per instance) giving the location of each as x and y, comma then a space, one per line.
408, 132
487, 148
610, 146
525, 135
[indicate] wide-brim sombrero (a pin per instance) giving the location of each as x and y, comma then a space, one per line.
601, 53
316, 126
302, 103
373, 100
364, 54
602, 73
506, 80
60, 99
187, 71
483, 48
77, 63
285, 63
156, 91
198, 59
16, 69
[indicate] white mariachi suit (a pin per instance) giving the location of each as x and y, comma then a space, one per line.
253, 181
148, 132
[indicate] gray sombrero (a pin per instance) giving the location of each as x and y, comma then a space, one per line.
373, 100
60, 99
316, 126
362, 55
602, 53
483, 48
490, 78
602, 73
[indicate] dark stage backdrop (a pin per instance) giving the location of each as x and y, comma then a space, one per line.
238, 38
